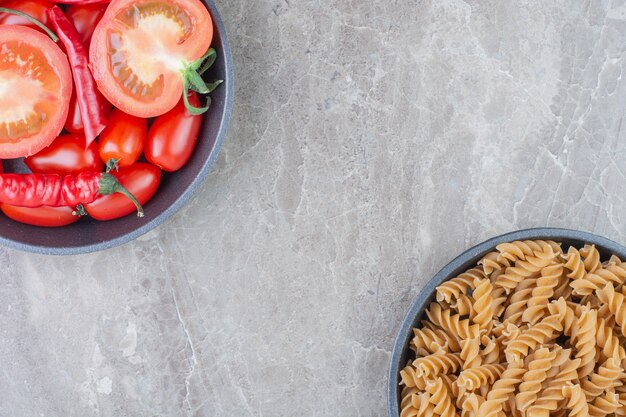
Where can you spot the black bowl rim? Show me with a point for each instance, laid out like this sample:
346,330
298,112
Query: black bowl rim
464,260
188,193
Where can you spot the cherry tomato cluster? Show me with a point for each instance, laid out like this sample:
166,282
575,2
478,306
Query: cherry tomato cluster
139,146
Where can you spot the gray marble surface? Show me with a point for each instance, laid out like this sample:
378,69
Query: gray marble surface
372,141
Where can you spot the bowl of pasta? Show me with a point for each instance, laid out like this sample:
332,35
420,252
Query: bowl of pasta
530,323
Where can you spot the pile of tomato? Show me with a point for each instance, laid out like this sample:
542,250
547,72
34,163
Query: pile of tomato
98,97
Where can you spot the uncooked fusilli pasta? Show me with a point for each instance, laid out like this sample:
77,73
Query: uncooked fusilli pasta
532,331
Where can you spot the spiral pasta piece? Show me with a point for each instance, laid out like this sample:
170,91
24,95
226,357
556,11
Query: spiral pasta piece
608,341
440,398
605,405
501,390
470,353
510,333
615,302
521,250
597,280
499,300
621,409
493,262
452,324
428,339
433,365
552,395
563,289
604,379
577,402
585,341
533,379
463,304
591,258
409,378
575,264
410,398
519,300
462,284
491,352
541,294
482,310
566,316
539,334
471,405
473,378
531,267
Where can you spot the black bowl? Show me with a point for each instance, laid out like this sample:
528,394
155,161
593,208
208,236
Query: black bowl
176,189
468,259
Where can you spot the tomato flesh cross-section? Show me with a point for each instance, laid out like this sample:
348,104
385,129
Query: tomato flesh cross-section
140,49
35,88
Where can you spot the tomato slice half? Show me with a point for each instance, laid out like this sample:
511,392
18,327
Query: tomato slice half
35,89
140,48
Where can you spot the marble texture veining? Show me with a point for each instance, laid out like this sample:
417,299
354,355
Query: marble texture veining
372,142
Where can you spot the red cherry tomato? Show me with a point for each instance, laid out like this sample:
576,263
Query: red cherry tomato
35,88
66,156
85,18
35,8
141,179
173,136
123,138
41,216
74,122
140,47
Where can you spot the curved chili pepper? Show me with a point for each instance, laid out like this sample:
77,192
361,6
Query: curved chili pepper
88,96
36,190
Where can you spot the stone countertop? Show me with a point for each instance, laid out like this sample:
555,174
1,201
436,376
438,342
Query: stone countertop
371,143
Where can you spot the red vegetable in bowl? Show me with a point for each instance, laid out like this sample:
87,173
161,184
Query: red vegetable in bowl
36,86
37,9
85,17
91,110
36,190
68,155
74,123
173,136
141,179
43,216
123,139
145,53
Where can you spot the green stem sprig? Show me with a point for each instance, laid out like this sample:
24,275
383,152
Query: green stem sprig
31,19
192,81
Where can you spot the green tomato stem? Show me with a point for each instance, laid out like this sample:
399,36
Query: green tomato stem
31,19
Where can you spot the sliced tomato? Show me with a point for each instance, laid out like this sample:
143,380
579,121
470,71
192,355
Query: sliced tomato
35,89
85,18
141,179
43,216
34,8
67,155
141,47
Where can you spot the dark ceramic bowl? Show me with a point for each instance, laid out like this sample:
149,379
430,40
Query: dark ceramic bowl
176,189
468,259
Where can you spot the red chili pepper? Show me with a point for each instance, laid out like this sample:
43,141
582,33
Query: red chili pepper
89,99
36,190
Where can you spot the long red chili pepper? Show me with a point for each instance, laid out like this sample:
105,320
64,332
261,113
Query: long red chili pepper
36,190
87,93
